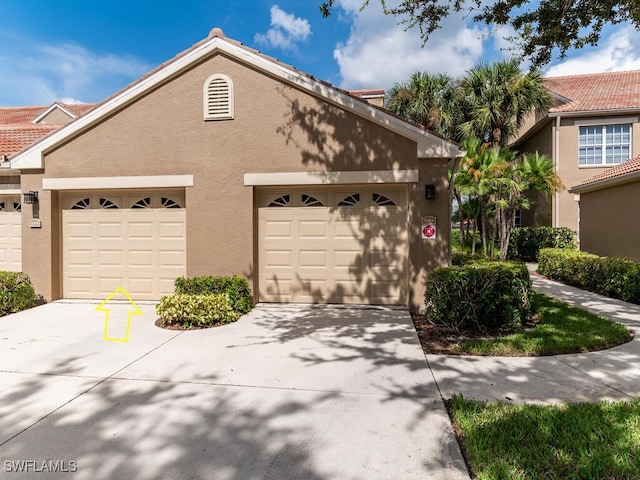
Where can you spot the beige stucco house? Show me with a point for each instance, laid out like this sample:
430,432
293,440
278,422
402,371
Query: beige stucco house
608,211
225,161
593,125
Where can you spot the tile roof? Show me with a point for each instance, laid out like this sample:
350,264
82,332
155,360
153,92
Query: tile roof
17,132
630,167
599,91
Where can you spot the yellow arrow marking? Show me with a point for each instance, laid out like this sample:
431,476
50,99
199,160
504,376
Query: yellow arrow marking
102,308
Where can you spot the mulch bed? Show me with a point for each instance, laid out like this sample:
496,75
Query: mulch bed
439,340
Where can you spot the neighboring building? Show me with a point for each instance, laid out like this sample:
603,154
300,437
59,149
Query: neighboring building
19,128
374,96
592,126
608,211
225,161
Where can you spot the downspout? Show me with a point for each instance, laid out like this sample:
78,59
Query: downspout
556,220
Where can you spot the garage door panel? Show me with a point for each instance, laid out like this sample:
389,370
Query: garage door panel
110,230
278,258
142,250
348,258
312,258
172,258
313,229
142,231
278,229
172,230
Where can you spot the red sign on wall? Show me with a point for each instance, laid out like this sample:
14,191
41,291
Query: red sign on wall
429,232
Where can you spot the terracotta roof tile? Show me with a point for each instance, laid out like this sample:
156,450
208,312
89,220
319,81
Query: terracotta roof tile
626,168
600,91
17,132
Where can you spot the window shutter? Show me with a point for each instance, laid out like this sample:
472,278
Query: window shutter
218,98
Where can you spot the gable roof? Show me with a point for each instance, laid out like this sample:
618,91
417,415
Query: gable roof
428,143
623,173
596,92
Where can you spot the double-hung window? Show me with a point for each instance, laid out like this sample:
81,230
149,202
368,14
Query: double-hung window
604,144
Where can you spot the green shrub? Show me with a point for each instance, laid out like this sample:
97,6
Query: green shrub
16,292
462,258
191,310
236,287
613,277
479,296
526,242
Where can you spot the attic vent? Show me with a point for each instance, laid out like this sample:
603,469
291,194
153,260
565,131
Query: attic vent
218,98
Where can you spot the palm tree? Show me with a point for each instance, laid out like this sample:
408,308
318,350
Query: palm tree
427,99
497,99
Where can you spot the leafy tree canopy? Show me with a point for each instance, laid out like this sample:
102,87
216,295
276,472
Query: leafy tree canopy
540,26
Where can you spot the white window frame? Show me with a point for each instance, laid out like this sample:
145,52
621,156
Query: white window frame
603,132
226,113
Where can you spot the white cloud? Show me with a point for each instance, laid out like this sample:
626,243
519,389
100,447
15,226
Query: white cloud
40,74
286,30
379,52
618,51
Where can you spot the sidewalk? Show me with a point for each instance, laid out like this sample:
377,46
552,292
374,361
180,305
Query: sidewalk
612,374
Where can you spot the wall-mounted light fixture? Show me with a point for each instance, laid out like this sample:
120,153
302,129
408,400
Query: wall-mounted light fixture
430,191
31,197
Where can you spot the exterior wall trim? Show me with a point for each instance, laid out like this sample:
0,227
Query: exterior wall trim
53,107
94,183
331,178
10,191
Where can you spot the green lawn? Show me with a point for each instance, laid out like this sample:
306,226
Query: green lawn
562,329
563,442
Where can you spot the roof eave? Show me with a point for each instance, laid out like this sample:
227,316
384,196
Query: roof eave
606,183
595,113
428,145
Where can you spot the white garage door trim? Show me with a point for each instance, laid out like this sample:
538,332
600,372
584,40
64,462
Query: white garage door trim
134,240
345,244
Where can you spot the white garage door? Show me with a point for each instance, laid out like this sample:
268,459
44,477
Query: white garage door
10,233
333,245
134,240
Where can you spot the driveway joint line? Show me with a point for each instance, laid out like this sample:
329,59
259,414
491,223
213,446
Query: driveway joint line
104,379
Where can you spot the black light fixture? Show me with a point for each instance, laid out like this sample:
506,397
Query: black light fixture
430,191
31,197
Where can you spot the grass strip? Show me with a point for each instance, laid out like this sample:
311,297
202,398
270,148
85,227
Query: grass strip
573,441
562,329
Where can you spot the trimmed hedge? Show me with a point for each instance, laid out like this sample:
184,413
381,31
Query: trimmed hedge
480,296
16,292
236,287
191,310
614,277
462,258
526,242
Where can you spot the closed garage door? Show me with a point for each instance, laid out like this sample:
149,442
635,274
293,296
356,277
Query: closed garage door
333,245
10,233
134,240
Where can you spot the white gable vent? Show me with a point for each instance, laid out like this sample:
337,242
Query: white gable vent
218,98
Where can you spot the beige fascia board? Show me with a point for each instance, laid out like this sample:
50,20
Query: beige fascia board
428,145
596,113
10,191
99,183
331,178
610,182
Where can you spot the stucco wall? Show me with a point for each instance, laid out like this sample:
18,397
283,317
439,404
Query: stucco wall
276,129
565,214
609,223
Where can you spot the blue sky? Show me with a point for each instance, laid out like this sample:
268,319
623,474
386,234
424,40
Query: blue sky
83,51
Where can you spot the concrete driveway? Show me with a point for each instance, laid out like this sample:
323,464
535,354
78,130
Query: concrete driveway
287,392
